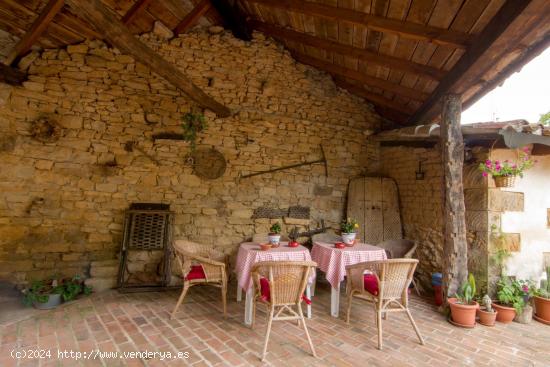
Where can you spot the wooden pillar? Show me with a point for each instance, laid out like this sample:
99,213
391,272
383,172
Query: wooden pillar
455,248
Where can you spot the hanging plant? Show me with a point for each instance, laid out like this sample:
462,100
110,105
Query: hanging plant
193,124
505,172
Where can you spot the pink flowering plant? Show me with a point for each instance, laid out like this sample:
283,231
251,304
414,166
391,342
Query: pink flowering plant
497,168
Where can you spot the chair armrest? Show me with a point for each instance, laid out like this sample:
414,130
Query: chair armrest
410,253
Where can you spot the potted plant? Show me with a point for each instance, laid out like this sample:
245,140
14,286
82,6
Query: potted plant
463,307
43,294
504,173
510,300
73,287
349,228
274,235
542,300
487,315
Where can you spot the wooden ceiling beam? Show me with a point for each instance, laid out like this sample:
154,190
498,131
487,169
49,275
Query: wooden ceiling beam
118,35
492,31
376,99
134,11
404,29
193,17
11,76
348,50
360,77
37,29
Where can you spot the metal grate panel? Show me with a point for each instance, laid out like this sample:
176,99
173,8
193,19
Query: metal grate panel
147,231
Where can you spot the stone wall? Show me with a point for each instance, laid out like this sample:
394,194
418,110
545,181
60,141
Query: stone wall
62,202
422,212
421,201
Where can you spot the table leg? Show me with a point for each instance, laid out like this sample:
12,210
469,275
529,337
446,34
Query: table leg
309,295
239,293
313,288
248,307
335,301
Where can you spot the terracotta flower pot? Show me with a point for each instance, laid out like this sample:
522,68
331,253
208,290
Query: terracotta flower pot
463,315
542,308
504,314
487,318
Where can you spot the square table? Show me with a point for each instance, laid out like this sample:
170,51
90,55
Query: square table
333,261
250,254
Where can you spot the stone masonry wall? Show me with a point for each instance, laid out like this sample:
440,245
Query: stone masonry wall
421,201
62,202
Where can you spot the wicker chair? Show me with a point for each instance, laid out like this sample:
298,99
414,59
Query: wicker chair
200,264
401,249
329,236
280,286
386,286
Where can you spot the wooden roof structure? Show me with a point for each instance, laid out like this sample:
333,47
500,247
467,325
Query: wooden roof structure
400,55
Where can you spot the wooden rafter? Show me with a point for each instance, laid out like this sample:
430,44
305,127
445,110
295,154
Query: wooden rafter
374,98
134,11
37,29
496,27
347,50
118,35
193,17
404,29
11,75
360,77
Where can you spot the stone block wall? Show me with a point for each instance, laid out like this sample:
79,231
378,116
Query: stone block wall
62,202
421,201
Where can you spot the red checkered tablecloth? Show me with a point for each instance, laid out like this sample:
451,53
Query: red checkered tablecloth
333,261
250,254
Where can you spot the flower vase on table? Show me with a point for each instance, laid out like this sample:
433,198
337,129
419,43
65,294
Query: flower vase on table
274,235
349,228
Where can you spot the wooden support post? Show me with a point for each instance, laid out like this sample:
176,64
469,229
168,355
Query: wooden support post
118,35
455,248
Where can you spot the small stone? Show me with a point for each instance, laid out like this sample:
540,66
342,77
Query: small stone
162,31
215,29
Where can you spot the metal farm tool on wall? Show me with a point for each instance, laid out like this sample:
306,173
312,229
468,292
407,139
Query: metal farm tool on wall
323,160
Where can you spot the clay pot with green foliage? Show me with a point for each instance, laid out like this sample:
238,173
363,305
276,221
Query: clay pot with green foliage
463,307
504,314
542,309
463,314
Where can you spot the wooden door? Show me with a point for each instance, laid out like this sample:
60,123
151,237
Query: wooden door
374,203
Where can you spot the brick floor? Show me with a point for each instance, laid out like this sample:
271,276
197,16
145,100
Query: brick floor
113,322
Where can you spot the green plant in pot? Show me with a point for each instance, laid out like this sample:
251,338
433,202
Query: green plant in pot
73,287
487,314
463,306
349,228
542,300
43,294
510,297
274,235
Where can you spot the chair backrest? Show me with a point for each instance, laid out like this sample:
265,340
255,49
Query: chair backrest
396,249
287,279
394,276
262,238
329,236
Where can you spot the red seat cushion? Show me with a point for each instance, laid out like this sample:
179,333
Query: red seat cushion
197,272
371,284
265,293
